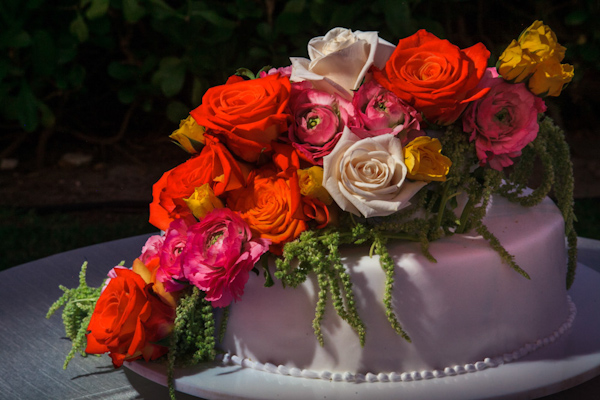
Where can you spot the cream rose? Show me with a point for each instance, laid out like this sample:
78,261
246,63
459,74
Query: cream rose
368,176
340,60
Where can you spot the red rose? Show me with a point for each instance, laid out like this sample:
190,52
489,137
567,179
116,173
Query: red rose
128,320
214,165
246,114
435,76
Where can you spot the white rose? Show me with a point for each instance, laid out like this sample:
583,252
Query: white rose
340,60
368,176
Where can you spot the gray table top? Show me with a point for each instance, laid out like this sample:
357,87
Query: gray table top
33,348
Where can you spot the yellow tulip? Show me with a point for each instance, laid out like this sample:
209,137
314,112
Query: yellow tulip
203,201
190,135
424,160
550,77
311,184
514,64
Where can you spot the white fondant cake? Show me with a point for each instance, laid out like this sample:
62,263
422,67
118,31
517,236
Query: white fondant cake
466,312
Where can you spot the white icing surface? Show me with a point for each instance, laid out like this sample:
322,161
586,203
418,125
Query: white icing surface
408,376
459,312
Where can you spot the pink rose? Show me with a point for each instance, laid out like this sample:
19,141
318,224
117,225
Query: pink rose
318,121
503,122
170,270
219,255
381,111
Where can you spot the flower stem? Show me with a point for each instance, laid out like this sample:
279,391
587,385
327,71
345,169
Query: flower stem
443,201
464,217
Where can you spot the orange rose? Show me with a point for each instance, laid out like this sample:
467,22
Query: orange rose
435,76
128,320
247,114
272,206
214,165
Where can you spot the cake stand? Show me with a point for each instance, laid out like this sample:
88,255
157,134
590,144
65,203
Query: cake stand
573,359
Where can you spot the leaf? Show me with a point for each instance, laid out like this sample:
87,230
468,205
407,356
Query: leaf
398,17
48,117
576,17
198,90
245,72
4,67
79,28
170,76
44,54
265,31
126,95
161,10
120,71
97,9
20,39
77,75
176,111
27,108
294,6
215,19
132,11
34,4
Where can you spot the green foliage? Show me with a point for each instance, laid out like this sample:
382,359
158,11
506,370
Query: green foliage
161,56
193,337
78,306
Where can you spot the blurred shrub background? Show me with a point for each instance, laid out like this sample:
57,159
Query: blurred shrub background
106,72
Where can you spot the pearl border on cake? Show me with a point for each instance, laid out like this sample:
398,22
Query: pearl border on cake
229,358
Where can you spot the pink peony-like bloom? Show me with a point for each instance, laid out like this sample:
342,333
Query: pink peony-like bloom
152,248
503,122
318,121
170,270
380,111
219,255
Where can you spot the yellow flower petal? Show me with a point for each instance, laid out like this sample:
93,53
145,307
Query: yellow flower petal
203,201
424,160
550,77
311,184
190,135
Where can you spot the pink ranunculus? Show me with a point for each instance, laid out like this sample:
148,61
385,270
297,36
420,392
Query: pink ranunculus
152,248
111,275
380,111
283,71
318,121
170,270
219,255
503,122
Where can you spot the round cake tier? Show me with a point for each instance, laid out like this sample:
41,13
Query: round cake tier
467,307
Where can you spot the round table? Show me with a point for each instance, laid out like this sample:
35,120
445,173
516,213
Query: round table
33,348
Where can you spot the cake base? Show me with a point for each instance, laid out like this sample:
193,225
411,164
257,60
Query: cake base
571,360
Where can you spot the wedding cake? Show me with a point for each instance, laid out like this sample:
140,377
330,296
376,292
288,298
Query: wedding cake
464,313
359,215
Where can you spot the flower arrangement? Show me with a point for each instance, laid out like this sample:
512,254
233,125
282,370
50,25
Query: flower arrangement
362,143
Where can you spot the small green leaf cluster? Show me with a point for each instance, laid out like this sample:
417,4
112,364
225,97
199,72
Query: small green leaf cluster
79,304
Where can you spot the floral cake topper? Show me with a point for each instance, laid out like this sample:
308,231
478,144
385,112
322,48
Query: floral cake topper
361,143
